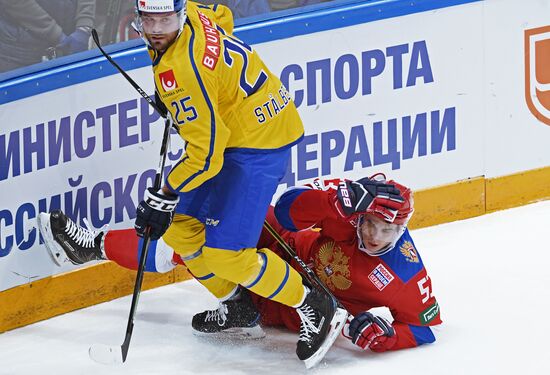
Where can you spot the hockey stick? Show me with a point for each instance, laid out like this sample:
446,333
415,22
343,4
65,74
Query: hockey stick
117,354
340,314
161,110
310,275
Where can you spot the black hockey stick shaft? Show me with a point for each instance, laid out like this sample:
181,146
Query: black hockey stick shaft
157,185
150,100
145,247
310,275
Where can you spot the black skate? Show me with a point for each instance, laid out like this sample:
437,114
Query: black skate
68,242
237,318
322,321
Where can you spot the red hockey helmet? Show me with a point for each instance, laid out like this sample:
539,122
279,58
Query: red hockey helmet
379,235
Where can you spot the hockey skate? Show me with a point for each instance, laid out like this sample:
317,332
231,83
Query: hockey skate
68,242
322,321
236,318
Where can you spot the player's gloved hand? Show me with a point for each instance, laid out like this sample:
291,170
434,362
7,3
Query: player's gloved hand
157,211
356,197
76,42
372,332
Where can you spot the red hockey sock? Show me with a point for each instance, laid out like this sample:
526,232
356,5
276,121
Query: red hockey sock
121,246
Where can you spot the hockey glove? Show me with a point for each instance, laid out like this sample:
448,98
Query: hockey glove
355,197
157,211
372,332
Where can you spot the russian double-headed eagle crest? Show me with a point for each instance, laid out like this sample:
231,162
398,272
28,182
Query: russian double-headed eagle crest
332,266
408,250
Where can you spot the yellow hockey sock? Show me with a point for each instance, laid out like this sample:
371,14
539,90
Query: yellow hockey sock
262,271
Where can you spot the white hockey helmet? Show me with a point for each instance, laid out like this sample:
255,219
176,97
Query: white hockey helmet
159,17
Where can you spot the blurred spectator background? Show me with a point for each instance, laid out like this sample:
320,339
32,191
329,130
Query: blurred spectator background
32,31
287,4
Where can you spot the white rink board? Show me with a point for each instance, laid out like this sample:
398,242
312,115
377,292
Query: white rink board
477,72
455,55
516,140
100,170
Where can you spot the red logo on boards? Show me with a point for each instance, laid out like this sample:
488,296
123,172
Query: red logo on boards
537,72
142,4
168,80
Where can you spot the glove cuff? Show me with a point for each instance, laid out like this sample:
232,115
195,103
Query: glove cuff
344,195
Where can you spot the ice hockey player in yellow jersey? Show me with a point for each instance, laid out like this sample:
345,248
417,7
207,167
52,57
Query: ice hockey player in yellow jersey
239,123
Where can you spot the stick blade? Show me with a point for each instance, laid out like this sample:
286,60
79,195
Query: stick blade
105,354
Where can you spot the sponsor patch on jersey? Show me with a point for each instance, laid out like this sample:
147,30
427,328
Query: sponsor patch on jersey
408,250
156,6
168,80
212,46
381,277
429,314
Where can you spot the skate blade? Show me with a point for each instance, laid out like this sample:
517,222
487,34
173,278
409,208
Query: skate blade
55,251
238,333
336,324
105,354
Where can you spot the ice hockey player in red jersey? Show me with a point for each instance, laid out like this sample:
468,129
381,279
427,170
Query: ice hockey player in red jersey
365,255
367,260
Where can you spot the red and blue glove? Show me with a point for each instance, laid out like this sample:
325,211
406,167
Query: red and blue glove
356,197
372,332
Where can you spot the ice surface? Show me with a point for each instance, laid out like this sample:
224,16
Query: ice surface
490,275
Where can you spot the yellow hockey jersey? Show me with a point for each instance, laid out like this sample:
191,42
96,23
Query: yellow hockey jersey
221,96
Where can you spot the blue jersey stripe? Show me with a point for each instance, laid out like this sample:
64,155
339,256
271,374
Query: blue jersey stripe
422,335
212,115
173,168
282,208
210,275
244,150
404,260
264,266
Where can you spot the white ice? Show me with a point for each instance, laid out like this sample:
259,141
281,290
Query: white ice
490,275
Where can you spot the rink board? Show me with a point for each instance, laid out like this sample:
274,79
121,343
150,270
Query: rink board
459,114
58,294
